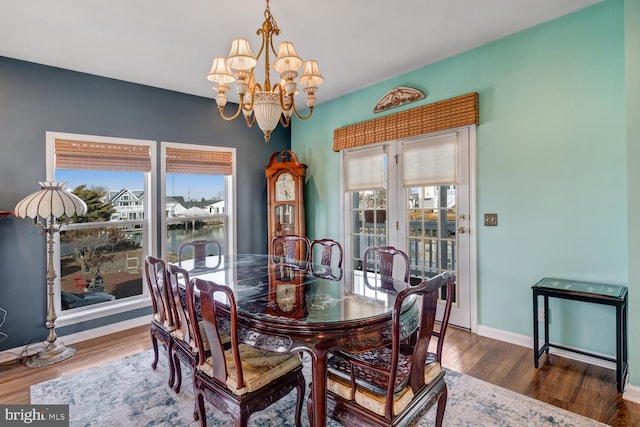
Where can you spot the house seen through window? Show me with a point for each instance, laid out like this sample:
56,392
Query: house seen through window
100,254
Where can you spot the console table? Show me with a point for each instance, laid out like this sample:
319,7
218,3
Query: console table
597,293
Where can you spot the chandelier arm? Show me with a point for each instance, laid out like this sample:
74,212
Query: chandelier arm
237,113
298,115
281,95
284,120
260,32
249,107
250,121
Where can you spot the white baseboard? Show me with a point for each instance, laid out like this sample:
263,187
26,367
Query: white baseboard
631,393
526,341
28,350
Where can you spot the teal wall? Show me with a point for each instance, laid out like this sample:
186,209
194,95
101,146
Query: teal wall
632,63
551,161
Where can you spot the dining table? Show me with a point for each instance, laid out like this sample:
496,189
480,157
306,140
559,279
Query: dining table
287,305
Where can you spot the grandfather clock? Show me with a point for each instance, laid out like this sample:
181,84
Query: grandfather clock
285,195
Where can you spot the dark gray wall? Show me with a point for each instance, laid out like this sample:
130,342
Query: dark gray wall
35,99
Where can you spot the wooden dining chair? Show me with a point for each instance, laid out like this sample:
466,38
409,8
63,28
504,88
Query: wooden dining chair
331,253
162,322
184,348
201,249
393,385
241,379
379,260
290,246
187,317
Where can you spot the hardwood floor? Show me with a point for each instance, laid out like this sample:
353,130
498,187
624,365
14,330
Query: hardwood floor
578,387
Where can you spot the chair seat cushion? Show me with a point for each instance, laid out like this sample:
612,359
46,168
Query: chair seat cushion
375,402
259,367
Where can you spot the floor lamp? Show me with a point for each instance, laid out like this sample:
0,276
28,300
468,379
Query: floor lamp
51,202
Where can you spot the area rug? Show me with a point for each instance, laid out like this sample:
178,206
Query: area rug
128,392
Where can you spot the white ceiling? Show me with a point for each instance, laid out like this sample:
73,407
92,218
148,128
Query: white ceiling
170,43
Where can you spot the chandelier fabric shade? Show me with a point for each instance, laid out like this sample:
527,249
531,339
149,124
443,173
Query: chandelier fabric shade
311,74
287,59
220,73
240,56
263,103
51,201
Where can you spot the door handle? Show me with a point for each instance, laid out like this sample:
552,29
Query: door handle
462,230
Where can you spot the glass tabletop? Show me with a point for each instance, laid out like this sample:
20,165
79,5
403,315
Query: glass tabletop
607,290
284,290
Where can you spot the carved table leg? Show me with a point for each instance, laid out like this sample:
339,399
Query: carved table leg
318,387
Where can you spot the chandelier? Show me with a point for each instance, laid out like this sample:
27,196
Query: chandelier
266,104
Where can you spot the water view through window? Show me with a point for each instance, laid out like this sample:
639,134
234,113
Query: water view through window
102,253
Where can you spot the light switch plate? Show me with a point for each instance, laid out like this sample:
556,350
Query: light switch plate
491,219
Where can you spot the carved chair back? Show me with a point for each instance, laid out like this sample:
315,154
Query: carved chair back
162,322
290,246
155,273
380,260
201,249
178,303
328,248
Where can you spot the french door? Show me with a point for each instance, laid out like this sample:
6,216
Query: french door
417,195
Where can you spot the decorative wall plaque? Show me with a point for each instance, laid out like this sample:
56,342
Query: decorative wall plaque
400,95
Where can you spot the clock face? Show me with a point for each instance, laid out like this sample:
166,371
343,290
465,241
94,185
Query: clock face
285,188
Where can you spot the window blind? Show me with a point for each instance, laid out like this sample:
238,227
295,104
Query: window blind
102,156
200,162
430,161
365,169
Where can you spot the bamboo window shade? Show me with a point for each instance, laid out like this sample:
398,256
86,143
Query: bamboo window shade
200,162
102,156
447,114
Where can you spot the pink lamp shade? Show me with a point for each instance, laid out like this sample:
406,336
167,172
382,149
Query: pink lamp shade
52,200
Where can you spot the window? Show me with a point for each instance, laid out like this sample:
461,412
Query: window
99,256
429,175
365,182
197,189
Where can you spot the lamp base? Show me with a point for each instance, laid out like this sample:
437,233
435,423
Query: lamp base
52,353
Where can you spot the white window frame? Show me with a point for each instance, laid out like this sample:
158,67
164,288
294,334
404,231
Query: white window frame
229,193
390,181
395,201
83,314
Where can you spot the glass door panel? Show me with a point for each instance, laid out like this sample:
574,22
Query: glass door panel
369,222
